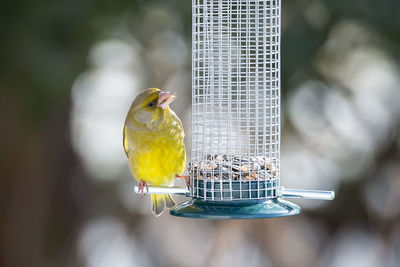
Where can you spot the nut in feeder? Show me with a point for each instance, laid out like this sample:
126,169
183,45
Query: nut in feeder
235,160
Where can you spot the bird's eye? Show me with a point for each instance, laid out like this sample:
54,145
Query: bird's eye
150,104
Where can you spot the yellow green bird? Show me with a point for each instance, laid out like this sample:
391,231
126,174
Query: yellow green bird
153,141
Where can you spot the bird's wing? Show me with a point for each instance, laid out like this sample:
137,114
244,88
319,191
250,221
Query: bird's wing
178,120
125,142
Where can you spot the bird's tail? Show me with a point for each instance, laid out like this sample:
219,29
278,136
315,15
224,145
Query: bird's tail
160,202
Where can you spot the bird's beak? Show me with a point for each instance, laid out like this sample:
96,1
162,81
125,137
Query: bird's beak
165,98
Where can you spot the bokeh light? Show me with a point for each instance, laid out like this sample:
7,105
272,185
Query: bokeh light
100,100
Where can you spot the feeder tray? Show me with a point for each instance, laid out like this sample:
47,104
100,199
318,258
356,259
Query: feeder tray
249,209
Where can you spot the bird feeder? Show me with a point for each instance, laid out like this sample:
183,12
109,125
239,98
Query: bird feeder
236,114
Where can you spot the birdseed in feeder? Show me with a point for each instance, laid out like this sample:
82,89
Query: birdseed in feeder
236,168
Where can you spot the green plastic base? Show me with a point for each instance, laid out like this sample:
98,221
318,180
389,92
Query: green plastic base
248,209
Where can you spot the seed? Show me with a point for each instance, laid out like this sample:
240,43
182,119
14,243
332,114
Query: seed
205,168
268,165
213,166
236,167
264,175
273,168
245,168
225,176
256,166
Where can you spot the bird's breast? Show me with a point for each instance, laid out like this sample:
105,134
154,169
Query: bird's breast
156,157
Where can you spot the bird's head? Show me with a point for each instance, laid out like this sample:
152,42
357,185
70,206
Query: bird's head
149,106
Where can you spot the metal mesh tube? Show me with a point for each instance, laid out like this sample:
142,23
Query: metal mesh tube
236,99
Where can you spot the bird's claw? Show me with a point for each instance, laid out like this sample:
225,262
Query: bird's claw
141,186
187,179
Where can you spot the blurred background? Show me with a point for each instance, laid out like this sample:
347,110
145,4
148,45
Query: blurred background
68,73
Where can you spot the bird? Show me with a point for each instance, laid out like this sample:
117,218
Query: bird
153,140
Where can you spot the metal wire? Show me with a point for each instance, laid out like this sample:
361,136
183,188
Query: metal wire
236,99
281,191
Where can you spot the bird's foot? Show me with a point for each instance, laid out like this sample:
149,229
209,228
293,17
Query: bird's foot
141,185
187,179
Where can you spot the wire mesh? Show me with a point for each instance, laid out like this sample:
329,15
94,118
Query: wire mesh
235,99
